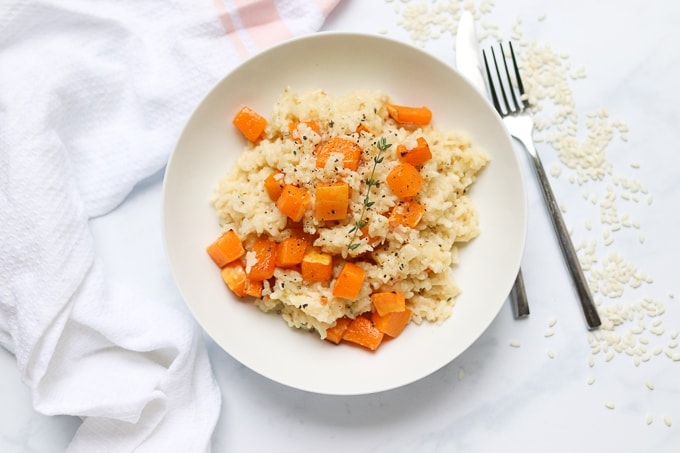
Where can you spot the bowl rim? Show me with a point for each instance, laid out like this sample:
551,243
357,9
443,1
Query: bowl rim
171,164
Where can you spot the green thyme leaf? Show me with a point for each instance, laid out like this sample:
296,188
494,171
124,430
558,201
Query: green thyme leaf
382,146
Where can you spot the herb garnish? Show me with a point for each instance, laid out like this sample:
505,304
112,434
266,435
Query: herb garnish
370,182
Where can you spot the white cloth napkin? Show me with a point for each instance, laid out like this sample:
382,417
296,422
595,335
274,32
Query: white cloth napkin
93,96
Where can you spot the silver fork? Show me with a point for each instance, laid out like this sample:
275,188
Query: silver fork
506,86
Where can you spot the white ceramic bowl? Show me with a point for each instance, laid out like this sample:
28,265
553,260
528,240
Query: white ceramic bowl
338,63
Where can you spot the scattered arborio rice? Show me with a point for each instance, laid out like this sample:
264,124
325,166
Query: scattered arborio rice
413,261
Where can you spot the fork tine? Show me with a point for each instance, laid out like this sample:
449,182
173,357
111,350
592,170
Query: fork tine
520,85
507,86
492,88
515,104
507,109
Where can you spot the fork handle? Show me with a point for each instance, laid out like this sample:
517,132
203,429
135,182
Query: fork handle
570,256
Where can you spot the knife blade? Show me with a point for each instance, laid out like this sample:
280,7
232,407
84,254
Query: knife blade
468,59
469,64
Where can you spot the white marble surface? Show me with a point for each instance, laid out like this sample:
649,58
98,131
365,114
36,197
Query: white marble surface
494,397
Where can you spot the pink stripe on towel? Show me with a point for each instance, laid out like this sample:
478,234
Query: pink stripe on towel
229,29
326,6
262,22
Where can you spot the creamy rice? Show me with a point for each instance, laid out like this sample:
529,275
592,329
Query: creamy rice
413,261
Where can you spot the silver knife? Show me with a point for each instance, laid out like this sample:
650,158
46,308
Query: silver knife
468,59
469,63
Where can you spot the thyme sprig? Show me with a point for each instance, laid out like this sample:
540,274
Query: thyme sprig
382,146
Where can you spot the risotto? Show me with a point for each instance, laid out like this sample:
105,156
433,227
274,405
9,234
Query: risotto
339,210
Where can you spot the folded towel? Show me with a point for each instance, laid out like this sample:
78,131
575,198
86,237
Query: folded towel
93,96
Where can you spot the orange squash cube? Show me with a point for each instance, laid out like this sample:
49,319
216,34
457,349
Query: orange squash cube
316,266
404,114
332,201
388,302
290,251
264,253
405,180
253,288
350,151
393,323
226,248
361,331
334,333
416,156
349,282
234,275
273,184
407,213
250,123
293,202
